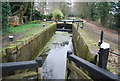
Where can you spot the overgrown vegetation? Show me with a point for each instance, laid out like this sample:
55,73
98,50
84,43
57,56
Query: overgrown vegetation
19,29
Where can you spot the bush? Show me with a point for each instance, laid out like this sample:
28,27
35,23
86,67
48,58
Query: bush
35,22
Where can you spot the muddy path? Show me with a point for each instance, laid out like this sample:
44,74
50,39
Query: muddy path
110,36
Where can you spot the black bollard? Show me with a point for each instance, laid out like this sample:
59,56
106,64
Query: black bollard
43,25
103,55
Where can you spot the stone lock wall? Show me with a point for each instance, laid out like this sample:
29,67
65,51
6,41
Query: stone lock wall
28,48
82,49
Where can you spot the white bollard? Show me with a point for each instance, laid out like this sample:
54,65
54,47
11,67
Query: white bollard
103,55
44,19
11,38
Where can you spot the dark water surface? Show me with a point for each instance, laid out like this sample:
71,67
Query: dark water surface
54,66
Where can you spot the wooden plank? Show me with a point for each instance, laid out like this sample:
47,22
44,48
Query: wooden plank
80,73
22,75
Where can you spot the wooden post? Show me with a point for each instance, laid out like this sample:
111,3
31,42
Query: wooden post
39,70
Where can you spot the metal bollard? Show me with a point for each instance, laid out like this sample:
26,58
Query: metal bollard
43,25
103,55
44,20
10,38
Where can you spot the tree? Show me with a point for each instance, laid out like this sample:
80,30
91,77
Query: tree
101,12
57,15
6,11
15,7
22,9
117,15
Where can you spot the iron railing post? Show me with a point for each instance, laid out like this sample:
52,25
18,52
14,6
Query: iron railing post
101,39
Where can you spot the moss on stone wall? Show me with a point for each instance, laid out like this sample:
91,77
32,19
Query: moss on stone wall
28,48
83,45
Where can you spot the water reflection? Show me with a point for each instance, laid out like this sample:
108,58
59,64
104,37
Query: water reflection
54,66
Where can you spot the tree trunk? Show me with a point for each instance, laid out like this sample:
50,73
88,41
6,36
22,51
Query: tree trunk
31,11
22,11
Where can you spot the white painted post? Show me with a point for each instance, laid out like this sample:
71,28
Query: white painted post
103,55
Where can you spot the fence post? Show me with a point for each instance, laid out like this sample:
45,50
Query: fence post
39,61
73,21
69,53
69,71
103,55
